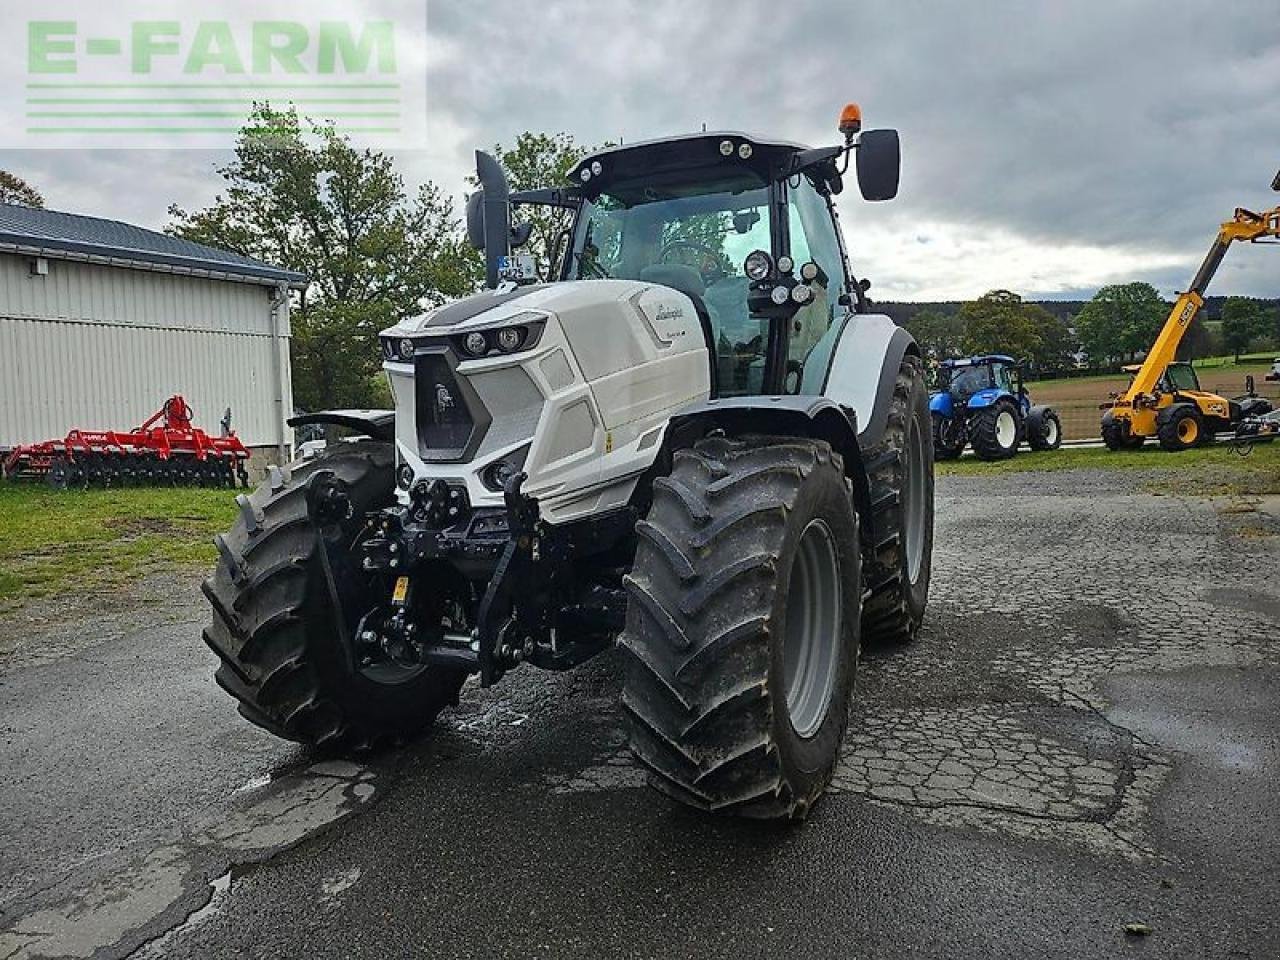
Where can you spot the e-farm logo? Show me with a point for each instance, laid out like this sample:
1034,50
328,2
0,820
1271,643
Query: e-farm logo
191,81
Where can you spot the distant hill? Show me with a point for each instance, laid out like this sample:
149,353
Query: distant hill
901,310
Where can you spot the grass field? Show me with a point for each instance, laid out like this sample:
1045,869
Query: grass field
89,544
1076,399
1203,471
94,541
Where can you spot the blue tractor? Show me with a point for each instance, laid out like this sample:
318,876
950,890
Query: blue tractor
981,401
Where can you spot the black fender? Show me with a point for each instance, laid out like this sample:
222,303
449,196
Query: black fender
378,424
1165,413
816,417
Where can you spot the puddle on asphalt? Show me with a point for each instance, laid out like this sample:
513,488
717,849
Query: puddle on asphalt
264,818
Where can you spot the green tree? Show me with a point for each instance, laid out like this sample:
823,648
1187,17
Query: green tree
940,335
999,322
534,161
1120,321
1242,320
16,191
1058,345
307,200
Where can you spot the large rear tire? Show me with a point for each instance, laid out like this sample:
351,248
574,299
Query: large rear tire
743,626
898,548
273,623
994,431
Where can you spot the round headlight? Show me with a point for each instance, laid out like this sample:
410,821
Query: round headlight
758,265
779,295
510,338
406,349
786,264
744,151
726,148
596,168
585,175
476,344
404,475
497,476
809,271
801,293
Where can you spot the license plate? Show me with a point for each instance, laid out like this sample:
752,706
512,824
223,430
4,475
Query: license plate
401,591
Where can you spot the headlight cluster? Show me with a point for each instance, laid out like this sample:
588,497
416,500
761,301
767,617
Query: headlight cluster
521,332
401,349
760,268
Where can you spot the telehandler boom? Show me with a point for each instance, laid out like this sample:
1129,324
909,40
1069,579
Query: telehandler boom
1165,400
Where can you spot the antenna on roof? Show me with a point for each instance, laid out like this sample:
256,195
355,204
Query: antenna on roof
704,126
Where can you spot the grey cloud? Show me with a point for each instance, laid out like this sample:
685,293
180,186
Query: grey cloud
1135,126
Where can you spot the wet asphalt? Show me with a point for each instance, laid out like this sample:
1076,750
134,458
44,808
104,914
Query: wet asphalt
1086,736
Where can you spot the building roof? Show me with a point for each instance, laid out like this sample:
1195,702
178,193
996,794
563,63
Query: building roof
75,237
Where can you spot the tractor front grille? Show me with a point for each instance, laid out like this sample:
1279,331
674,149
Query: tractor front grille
450,417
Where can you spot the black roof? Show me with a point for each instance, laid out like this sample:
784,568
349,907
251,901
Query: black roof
71,233
706,156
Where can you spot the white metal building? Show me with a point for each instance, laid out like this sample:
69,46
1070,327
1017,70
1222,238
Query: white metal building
100,321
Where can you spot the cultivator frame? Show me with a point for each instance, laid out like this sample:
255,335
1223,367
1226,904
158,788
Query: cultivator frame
166,450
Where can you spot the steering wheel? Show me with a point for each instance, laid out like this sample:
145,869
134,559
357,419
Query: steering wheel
708,257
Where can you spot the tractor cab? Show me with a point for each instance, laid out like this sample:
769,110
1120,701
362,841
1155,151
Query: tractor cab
1179,377
980,381
745,227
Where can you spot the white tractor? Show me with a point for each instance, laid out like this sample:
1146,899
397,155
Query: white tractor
691,439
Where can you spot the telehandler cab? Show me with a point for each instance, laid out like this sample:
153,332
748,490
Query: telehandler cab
1164,399
690,437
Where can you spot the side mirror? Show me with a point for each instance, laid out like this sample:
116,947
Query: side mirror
520,234
879,161
475,220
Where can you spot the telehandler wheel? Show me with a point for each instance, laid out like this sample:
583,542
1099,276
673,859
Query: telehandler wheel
1181,428
273,621
898,549
743,624
994,431
945,445
1044,429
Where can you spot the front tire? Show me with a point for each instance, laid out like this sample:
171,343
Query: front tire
1044,429
1181,428
743,626
994,431
946,444
273,623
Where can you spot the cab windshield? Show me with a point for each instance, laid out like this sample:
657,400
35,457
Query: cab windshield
1182,376
695,240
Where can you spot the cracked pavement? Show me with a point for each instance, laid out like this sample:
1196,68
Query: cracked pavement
1086,735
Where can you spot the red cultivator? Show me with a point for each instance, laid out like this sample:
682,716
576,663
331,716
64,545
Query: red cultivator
165,451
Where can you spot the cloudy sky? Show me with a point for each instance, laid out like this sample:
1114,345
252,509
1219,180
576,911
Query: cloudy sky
1047,147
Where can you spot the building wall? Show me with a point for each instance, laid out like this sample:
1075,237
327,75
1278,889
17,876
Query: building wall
96,346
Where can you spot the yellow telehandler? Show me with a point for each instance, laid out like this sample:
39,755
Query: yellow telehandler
1164,399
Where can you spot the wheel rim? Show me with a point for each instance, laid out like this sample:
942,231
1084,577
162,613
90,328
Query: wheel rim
1051,431
1006,429
812,642
913,521
1187,430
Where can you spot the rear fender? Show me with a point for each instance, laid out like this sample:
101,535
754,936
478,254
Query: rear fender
816,417
864,369
985,398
